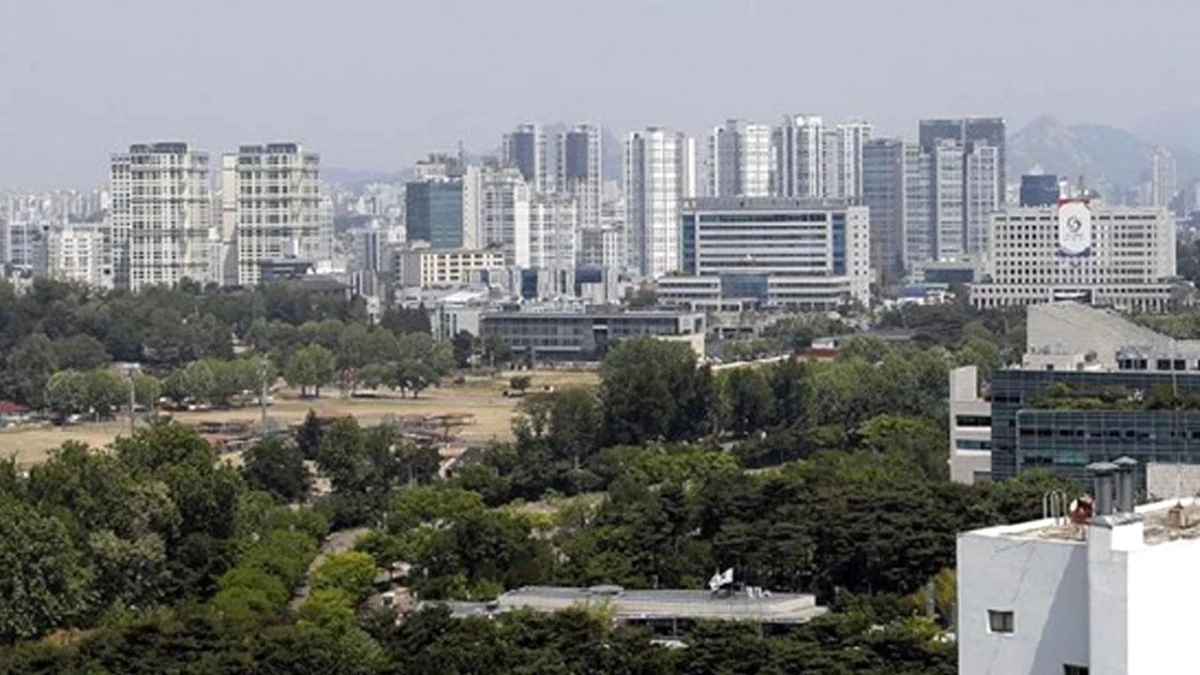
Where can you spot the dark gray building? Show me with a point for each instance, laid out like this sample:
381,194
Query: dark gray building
883,194
586,336
967,131
1039,190
433,212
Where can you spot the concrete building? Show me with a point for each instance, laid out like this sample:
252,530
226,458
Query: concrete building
842,159
799,149
75,253
506,215
1085,251
585,336
774,252
526,149
739,160
968,133
581,171
279,209
553,232
433,211
1039,189
668,609
160,215
1092,589
659,172
23,246
884,193
970,429
1162,178
951,191
431,268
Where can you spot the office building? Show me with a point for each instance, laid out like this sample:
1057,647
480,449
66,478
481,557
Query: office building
842,159
160,215
1040,189
505,215
23,246
526,149
1162,178
1098,587
75,253
1081,250
432,268
884,194
580,171
773,252
968,132
585,336
280,214
951,191
433,211
553,232
739,160
659,172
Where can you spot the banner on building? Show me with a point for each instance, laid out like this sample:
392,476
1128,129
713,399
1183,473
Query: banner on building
1074,229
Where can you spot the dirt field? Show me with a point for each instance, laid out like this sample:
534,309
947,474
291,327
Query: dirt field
483,397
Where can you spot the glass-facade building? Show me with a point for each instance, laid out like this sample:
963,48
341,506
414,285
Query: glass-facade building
434,212
1028,434
1039,190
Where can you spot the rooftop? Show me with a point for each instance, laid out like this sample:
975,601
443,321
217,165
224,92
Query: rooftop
1161,523
648,605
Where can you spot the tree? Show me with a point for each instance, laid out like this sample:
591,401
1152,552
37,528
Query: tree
67,393
30,365
520,383
81,352
352,572
652,389
106,391
278,468
750,399
496,349
45,580
464,348
919,438
308,436
311,366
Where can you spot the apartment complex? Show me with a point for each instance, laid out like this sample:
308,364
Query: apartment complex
739,160
580,171
160,216
274,190
1080,250
659,172
75,253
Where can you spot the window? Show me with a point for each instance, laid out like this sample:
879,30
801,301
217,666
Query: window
1069,669
1000,621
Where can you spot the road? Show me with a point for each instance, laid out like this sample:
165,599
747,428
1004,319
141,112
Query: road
337,542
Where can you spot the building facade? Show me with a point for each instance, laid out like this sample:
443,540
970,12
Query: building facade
776,251
431,268
968,132
279,208
75,253
433,211
553,232
1039,190
586,336
739,160
659,172
527,149
799,151
951,191
506,215
160,215
1120,256
581,170
884,194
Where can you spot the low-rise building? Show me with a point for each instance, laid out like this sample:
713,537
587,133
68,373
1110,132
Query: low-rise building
586,336
428,267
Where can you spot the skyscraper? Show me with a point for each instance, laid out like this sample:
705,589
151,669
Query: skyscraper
1162,178
433,211
526,149
279,210
799,150
659,171
842,159
967,132
580,170
161,212
506,199
553,232
739,160
883,192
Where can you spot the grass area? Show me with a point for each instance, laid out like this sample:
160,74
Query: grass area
480,396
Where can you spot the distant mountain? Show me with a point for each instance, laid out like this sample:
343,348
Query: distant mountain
1105,156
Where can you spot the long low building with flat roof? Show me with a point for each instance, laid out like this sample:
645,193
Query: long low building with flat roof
585,336
652,606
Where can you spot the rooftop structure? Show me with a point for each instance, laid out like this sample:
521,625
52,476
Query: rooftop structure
628,606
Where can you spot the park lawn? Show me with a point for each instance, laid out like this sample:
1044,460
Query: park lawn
482,397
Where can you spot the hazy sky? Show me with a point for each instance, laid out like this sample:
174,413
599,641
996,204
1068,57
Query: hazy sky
372,84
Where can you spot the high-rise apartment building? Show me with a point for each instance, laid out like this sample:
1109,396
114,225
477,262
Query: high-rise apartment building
553,232
842,158
659,172
1162,178
160,216
799,157
884,193
739,160
967,132
433,211
279,209
526,148
75,253
580,170
951,192
505,215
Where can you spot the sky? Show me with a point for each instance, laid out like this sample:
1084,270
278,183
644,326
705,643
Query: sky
373,84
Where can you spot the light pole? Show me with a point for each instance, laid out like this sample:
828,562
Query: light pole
130,374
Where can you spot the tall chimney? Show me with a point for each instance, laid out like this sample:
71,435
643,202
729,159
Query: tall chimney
1125,468
1102,473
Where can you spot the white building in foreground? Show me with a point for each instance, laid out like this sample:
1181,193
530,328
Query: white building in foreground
1114,594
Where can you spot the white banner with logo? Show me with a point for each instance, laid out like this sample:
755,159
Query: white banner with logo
1074,230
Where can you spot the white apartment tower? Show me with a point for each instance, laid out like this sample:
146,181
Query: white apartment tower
739,160
75,253
799,157
278,207
505,215
659,172
161,211
580,170
1162,178
553,232
526,149
842,159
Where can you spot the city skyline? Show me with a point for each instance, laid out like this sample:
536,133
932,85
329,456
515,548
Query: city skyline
353,94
